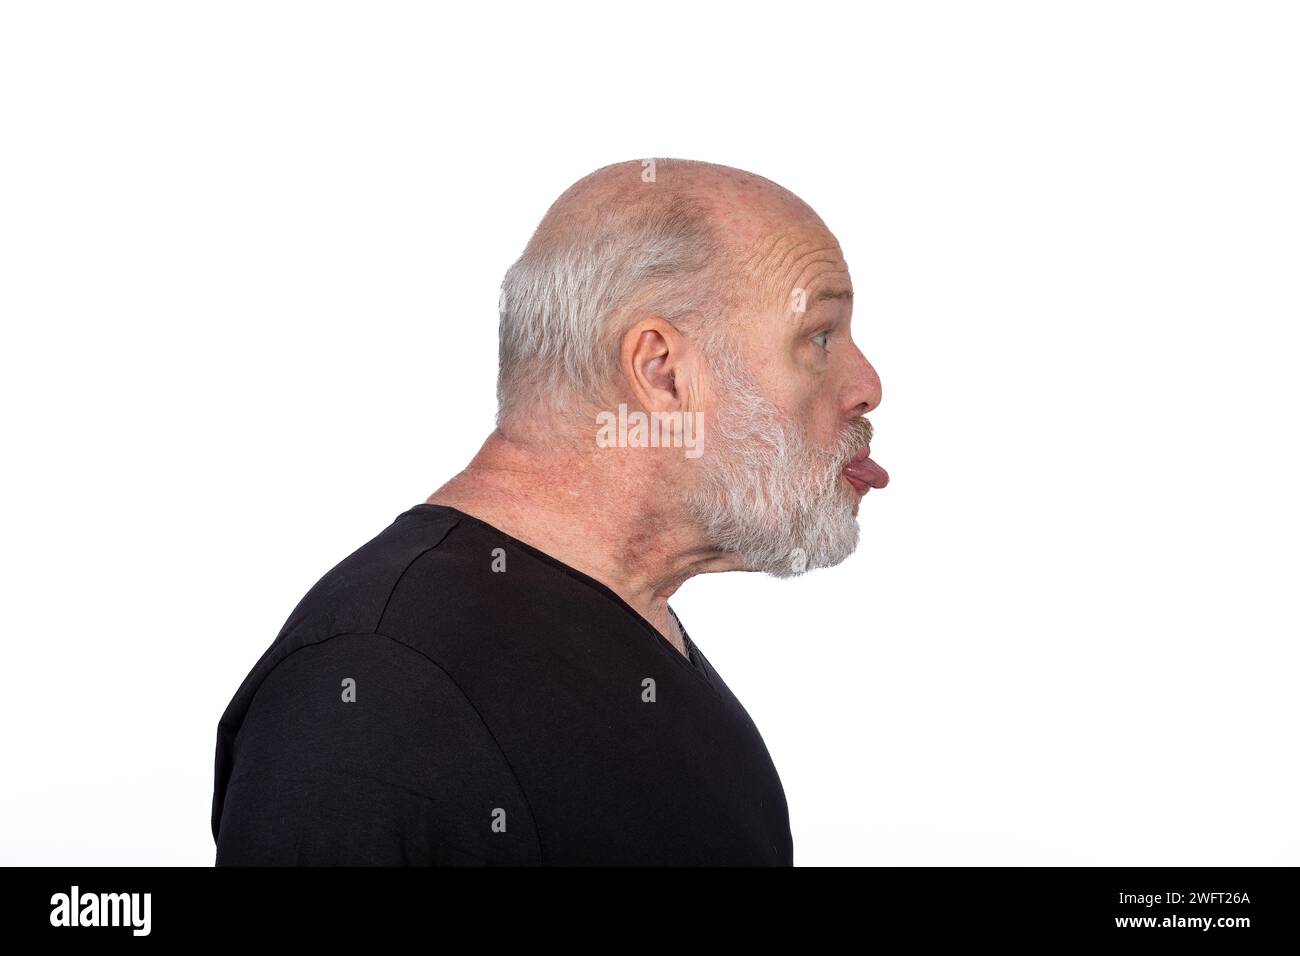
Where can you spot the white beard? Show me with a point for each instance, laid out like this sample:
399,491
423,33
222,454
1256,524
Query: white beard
763,492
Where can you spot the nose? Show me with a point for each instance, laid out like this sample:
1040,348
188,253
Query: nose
862,393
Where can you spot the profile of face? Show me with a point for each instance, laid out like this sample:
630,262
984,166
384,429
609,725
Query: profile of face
785,462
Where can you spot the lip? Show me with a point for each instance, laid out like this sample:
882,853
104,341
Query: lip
863,473
861,487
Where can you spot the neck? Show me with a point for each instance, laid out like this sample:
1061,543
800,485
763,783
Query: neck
602,511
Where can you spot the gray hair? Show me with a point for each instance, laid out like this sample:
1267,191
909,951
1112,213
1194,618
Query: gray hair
582,282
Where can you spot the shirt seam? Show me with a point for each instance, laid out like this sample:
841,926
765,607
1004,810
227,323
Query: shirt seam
379,621
523,793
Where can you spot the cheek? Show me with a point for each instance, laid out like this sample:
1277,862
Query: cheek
818,416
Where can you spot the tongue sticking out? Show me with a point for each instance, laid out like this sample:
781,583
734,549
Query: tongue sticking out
866,473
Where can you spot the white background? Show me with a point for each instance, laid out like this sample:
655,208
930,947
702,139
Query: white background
250,256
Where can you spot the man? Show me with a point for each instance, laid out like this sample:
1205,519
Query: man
497,677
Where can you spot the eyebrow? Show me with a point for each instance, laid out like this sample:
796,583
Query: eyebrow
822,294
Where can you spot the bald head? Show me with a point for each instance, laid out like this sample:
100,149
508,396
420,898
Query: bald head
720,189
692,243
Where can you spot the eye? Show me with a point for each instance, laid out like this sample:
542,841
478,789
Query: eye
823,335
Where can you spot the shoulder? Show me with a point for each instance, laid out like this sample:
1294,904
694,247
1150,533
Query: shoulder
358,748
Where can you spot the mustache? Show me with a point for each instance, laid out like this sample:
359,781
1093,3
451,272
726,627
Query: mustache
856,438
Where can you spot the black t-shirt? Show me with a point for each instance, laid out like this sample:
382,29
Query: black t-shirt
448,694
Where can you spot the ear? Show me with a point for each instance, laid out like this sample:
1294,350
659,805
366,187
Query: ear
658,365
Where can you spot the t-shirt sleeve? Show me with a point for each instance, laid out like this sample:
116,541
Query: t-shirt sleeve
359,750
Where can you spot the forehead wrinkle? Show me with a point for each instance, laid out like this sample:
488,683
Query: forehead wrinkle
788,256
801,267
804,273
761,252
770,263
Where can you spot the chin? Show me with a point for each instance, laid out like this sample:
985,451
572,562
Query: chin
783,533
828,544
